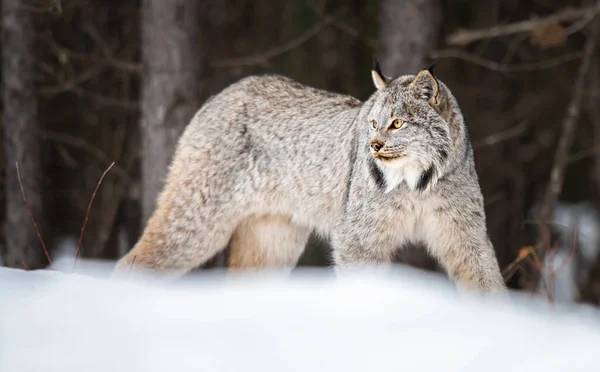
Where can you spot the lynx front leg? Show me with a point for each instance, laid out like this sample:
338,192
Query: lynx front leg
461,244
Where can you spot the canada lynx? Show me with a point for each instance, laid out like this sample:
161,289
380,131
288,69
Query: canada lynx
268,160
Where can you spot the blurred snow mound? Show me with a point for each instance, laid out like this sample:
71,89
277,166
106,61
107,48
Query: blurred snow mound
405,320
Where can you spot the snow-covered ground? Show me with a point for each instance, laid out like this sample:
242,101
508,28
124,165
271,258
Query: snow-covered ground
403,321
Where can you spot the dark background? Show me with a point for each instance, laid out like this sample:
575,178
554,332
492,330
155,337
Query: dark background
86,83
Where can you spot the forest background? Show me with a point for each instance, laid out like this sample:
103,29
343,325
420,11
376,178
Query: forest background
88,83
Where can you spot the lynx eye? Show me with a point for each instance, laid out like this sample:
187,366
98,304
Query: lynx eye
397,124
374,124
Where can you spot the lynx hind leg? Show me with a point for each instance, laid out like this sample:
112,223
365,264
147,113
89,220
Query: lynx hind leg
174,253
181,235
267,242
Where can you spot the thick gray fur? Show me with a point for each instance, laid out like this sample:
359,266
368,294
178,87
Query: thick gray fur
268,160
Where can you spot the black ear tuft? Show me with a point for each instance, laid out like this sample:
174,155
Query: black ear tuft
377,67
379,79
431,66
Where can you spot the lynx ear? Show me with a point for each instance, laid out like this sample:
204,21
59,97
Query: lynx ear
379,79
426,86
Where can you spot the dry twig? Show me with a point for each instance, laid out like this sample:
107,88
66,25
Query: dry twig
529,252
132,263
37,230
110,208
87,213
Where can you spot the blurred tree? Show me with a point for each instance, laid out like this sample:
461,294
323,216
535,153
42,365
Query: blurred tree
408,31
512,88
21,142
173,55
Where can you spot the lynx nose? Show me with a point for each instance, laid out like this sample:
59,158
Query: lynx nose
376,146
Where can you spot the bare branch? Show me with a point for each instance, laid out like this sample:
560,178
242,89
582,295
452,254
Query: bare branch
63,53
594,113
264,57
585,153
464,37
581,24
500,67
561,158
549,222
569,126
107,101
496,138
91,30
347,29
54,6
69,85
83,145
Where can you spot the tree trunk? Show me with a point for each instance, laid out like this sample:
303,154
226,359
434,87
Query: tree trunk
408,31
20,139
173,59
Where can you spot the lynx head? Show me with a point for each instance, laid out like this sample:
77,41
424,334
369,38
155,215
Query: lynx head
414,124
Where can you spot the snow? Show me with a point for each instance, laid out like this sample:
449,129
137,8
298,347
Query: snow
583,217
403,320
66,246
